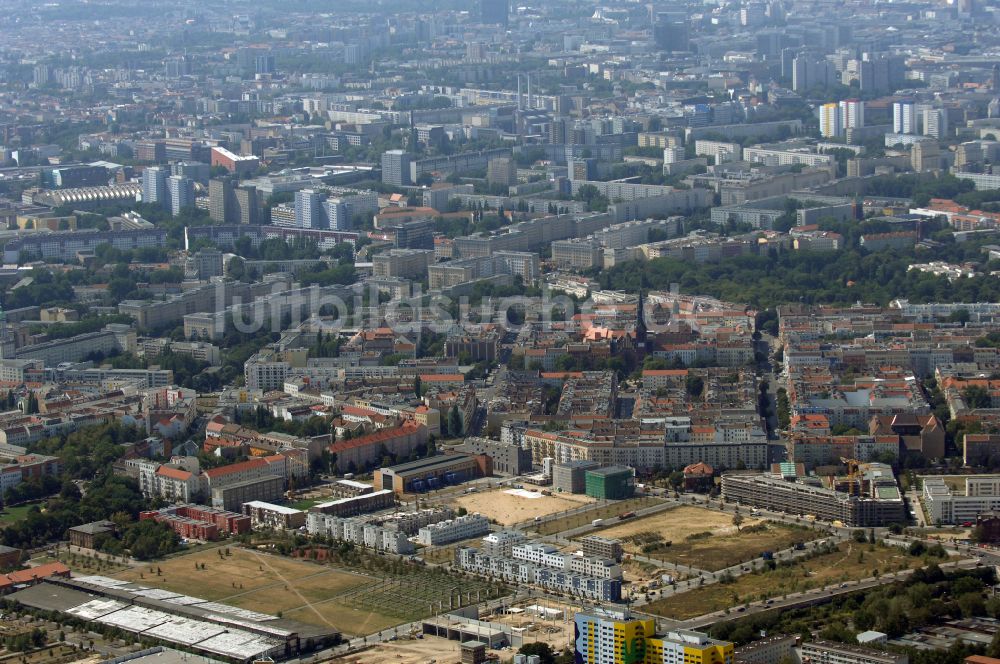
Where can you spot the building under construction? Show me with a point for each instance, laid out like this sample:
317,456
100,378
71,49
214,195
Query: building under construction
867,497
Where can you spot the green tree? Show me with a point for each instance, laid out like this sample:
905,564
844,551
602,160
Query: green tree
455,427
544,651
976,396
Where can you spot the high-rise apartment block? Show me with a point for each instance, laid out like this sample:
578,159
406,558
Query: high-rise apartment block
154,185
396,168
904,117
180,192
852,113
231,204
830,125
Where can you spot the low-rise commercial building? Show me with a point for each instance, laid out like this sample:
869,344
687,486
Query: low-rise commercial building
432,473
942,504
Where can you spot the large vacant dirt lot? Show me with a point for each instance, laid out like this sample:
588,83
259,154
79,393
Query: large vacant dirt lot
509,508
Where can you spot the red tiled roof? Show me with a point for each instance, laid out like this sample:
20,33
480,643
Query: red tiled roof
33,574
173,473
235,467
375,438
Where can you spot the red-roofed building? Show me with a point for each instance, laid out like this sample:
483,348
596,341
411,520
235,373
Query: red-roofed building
698,477
176,484
32,576
251,469
369,449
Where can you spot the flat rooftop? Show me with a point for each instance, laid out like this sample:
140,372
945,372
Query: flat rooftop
430,463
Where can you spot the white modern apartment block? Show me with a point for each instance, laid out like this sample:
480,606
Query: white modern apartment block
904,117
524,572
453,530
770,156
548,556
502,543
721,151
177,482
356,531
943,504
935,123
852,113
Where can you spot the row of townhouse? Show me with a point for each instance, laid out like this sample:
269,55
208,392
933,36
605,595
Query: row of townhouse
369,535
453,530
549,556
523,572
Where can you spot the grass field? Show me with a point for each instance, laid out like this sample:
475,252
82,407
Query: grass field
11,515
851,561
46,654
312,593
84,564
261,582
240,572
603,511
306,503
508,509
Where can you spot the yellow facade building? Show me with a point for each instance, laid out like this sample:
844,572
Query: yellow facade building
613,637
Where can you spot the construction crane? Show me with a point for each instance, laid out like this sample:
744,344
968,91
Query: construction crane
853,474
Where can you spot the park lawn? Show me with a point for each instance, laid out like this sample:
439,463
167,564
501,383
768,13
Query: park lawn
306,503
224,576
850,562
11,515
83,564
